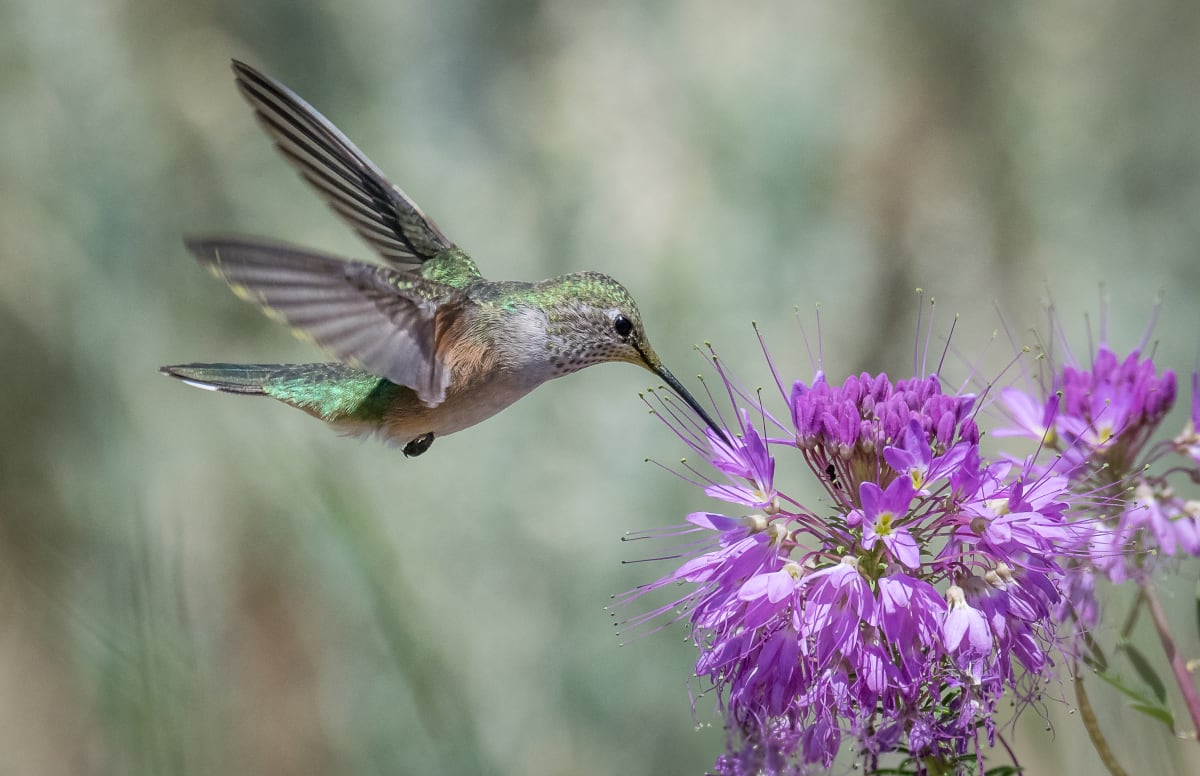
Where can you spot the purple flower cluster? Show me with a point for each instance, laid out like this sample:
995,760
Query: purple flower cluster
1101,418
1100,421
897,611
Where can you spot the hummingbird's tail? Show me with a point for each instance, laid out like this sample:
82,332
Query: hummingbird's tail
333,392
227,378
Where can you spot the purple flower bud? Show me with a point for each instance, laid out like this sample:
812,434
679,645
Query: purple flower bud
881,388
852,389
945,427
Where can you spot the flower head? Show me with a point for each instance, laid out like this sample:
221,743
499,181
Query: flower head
1099,420
895,612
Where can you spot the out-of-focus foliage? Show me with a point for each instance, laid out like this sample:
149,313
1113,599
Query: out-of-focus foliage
196,584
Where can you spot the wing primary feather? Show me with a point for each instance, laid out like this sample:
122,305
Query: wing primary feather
374,318
325,156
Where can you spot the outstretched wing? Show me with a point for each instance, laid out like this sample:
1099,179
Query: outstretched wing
350,183
374,318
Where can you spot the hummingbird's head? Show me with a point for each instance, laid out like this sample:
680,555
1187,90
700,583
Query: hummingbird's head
593,319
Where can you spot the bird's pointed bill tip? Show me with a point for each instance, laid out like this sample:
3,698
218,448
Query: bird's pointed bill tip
683,393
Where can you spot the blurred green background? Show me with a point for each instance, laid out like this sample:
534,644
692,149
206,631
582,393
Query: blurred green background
195,584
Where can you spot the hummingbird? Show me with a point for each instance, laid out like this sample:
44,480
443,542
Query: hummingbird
424,345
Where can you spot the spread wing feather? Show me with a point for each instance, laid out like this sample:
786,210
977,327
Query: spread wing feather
350,183
373,318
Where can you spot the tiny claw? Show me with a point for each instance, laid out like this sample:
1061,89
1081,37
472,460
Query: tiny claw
419,445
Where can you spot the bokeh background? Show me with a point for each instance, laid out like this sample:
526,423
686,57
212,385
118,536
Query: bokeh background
196,584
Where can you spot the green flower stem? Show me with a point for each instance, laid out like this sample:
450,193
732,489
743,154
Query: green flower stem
1092,726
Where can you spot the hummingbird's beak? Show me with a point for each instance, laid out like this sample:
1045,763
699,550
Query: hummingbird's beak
682,393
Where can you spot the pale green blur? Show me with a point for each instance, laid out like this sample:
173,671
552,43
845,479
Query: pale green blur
193,583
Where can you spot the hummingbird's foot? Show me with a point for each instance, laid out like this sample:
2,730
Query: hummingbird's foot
418,445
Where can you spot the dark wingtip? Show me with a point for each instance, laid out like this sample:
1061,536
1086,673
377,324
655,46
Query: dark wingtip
196,243
203,249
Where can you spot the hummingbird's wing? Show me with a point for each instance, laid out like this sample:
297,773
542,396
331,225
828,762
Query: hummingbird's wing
350,183
374,318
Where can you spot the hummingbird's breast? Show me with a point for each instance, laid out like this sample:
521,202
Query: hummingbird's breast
473,399
493,360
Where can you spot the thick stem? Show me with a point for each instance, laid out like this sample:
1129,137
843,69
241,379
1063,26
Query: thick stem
1183,677
1092,726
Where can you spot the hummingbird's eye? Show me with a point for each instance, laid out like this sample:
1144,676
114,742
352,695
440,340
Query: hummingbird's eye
622,326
